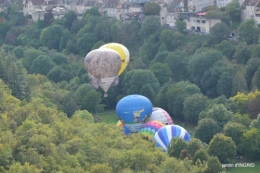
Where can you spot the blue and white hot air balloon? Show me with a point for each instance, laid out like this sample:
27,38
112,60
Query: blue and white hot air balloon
164,135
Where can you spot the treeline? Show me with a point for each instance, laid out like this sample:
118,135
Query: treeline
199,79
35,137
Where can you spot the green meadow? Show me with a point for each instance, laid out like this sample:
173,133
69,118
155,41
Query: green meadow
110,117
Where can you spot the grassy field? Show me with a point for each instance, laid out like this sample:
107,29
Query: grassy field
241,169
110,117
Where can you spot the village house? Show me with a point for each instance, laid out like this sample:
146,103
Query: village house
4,4
37,8
200,23
251,10
126,11
169,13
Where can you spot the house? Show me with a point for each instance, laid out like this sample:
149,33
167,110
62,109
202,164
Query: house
169,13
250,9
198,5
200,23
80,6
37,8
109,8
129,11
4,4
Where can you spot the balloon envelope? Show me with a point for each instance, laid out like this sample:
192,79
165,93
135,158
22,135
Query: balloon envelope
150,128
126,130
164,135
103,66
122,51
161,115
133,110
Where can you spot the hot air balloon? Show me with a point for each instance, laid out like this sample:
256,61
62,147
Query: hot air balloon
126,130
103,66
122,51
164,135
133,111
150,128
161,115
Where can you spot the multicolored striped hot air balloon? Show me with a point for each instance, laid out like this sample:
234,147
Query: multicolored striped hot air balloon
164,135
161,115
150,128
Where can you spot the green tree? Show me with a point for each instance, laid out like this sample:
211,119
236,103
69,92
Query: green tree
69,17
181,26
219,30
29,56
206,129
250,144
241,119
255,123
211,77
148,50
218,113
151,8
177,64
223,147
161,71
26,168
200,62
92,12
149,26
227,48
42,65
136,81
251,67
235,131
176,146
92,102
101,168
84,115
194,145
160,57
239,84
202,155
85,43
69,105
256,80
127,33
192,107
59,58
233,10
51,35
65,37
242,53
166,37
213,165
161,98
176,95
248,31
224,84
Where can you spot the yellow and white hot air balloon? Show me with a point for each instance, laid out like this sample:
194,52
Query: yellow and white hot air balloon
122,51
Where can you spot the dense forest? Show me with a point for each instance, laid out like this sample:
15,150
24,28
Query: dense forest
47,102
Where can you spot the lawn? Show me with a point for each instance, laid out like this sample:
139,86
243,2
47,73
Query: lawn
241,169
110,117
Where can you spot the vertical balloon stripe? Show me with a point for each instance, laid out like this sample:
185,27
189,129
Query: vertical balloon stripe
163,137
159,142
